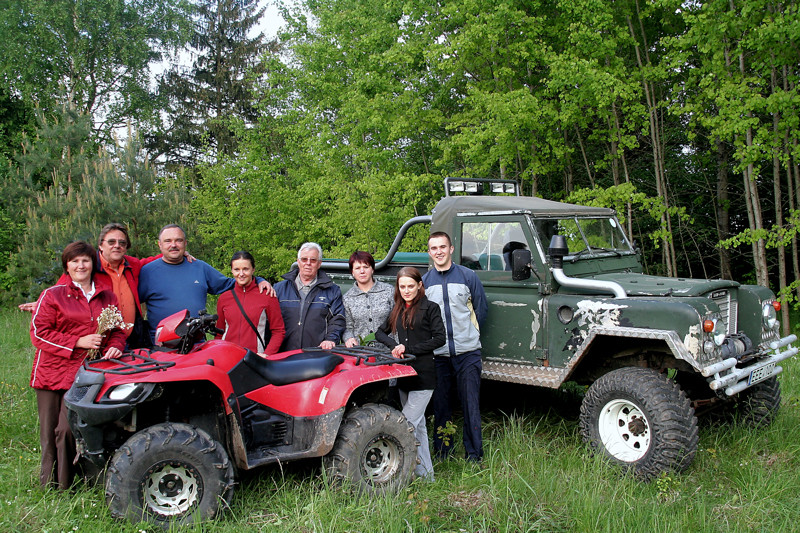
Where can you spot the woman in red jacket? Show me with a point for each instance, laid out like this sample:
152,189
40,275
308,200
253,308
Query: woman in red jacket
63,330
250,318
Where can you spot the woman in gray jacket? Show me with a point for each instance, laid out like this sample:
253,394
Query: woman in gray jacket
367,303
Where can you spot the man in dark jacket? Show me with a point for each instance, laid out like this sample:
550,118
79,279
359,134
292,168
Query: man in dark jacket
311,304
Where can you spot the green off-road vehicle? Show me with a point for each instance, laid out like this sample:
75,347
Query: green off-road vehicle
568,302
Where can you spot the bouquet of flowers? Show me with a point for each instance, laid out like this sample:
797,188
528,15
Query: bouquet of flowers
110,318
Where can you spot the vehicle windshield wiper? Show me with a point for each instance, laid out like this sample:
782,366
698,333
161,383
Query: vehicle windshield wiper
609,250
577,255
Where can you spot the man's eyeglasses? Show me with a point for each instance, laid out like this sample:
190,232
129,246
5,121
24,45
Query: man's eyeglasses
113,242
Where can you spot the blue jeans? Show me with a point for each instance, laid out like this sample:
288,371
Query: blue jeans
465,369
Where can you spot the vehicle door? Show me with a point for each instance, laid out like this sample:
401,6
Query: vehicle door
514,328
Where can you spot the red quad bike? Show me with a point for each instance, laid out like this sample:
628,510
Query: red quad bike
171,426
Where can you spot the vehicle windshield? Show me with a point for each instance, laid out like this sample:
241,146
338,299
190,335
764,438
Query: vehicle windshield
585,236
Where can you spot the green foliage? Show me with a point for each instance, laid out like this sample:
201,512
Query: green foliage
618,197
207,105
774,237
79,202
16,119
92,56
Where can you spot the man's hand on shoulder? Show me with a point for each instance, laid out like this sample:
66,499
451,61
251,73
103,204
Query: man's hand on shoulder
265,286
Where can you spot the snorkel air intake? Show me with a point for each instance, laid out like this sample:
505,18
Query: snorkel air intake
558,249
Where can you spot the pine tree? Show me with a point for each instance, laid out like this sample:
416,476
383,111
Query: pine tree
208,102
123,189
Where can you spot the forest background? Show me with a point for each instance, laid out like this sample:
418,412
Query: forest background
682,115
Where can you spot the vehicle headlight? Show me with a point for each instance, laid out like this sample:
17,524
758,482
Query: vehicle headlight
769,316
720,332
122,392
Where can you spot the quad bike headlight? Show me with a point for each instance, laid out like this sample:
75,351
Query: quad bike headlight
122,391
125,392
769,316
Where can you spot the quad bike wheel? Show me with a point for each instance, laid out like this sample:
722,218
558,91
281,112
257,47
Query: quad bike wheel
375,451
640,420
169,473
757,406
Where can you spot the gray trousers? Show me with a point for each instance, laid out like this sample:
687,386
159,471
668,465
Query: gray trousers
414,404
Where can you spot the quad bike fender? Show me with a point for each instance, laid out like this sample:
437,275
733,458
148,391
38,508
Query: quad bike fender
324,395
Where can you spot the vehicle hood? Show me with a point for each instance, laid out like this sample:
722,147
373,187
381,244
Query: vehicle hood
644,285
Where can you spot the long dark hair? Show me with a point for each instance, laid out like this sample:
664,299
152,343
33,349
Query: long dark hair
400,307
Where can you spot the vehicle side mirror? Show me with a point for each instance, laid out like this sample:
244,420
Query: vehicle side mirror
520,265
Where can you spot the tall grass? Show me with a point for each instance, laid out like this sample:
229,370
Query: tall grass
536,476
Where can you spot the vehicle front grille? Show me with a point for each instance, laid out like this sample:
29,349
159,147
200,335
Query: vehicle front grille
76,394
728,308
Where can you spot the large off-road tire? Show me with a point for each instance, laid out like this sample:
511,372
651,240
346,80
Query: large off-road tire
375,451
640,420
758,405
169,473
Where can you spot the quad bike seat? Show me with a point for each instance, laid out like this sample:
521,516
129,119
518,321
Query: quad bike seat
295,368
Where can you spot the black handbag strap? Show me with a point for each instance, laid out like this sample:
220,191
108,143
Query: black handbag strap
261,340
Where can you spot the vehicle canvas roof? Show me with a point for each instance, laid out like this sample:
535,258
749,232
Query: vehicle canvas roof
450,206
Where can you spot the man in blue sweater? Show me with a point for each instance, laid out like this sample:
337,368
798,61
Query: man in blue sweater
462,300
171,284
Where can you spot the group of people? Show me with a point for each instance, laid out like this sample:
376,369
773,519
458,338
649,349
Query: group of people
436,317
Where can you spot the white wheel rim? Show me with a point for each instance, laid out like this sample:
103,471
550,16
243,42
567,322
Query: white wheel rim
380,460
171,490
624,430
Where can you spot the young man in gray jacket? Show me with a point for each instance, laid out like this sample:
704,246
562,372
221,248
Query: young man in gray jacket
462,300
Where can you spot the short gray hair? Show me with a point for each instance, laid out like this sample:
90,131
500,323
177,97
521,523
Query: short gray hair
310,246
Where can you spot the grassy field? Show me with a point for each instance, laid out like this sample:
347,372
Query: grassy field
536,476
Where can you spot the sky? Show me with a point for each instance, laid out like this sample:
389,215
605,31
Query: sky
271,21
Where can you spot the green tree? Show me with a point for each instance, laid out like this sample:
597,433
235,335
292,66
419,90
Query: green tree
16,119
123,189
742,93
92,56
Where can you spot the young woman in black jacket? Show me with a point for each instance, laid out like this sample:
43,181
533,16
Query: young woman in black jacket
415,327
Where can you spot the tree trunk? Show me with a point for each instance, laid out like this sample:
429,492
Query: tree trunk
585,158
668,248
723,217
778,198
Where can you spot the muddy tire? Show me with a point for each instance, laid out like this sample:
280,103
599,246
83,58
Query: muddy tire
169,474
640,420
758,405
375,451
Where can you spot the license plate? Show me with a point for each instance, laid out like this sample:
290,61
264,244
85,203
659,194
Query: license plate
760,374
